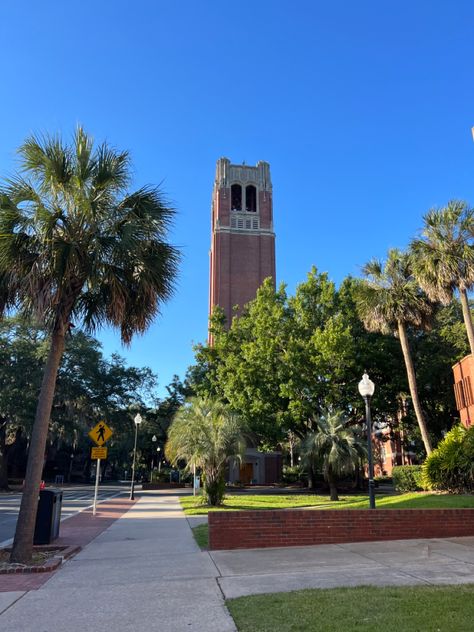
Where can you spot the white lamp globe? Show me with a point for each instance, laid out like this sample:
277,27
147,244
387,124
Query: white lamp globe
366,386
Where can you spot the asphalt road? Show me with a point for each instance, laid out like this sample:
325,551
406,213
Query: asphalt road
75,499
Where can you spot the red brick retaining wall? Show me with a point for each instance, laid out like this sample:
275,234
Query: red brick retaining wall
297,527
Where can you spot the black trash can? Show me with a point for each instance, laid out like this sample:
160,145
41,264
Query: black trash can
48,516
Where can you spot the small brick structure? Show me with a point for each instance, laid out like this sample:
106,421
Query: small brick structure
152,486
300,527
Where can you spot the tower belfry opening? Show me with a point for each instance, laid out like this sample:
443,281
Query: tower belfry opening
243,241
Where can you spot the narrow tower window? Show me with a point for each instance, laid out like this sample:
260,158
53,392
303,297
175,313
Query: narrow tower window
251,199
236,197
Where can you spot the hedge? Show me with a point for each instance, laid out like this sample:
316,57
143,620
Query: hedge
450,467
407,478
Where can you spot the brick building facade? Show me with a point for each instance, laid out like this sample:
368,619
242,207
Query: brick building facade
463,372
242,252
242,256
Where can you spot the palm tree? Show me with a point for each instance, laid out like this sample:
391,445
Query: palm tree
335,446
388,301
75,245
206,434
443,257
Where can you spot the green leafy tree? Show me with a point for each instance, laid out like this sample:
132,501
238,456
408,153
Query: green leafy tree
333,446
75,245
434,353
277,362
318,351
244,367
203,376
206,434
389,301
22,356
443,257
89,388
157,421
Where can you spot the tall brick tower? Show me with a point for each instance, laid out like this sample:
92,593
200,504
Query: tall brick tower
243,241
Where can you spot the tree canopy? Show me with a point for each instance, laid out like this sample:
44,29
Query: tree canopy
90,388
443,257
288,358
77,246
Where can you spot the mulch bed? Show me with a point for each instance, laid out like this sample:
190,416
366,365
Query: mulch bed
46,558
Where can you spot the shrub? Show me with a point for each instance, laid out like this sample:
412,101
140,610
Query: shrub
451,466
291,474
407,478
383,479
161,476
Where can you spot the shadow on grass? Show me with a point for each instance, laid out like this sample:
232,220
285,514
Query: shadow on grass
415,500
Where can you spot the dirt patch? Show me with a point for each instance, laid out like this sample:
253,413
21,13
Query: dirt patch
45,559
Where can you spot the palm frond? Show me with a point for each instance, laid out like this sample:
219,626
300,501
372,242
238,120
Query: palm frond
74,240
335,445
443,255
390,294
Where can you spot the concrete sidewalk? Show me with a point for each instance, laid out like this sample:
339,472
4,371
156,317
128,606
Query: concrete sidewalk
145,572
390,563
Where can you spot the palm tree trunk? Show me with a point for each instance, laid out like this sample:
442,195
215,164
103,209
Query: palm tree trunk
311,477
466,312
333,488
23,541
3,456
413,387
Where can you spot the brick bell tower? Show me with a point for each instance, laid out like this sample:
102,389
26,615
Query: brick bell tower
242,242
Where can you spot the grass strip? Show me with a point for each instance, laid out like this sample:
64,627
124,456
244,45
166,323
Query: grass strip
201,535
366,608
415,500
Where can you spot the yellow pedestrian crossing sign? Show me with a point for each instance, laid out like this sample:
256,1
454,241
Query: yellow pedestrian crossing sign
100,433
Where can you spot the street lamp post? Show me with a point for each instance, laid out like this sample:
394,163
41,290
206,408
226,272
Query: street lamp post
366,389
154,440
158,449
138,420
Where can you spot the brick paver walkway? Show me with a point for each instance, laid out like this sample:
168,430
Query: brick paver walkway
80,529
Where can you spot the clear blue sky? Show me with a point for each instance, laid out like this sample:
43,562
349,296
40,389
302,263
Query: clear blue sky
363,110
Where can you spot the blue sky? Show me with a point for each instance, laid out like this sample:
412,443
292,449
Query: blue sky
363,110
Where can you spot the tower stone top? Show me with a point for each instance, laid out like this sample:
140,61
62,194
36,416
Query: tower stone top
228,174
242,252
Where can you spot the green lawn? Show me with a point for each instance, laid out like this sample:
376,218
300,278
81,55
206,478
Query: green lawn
416,500
201,535
368,609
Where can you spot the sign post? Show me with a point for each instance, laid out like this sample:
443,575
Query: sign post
99,434
96,490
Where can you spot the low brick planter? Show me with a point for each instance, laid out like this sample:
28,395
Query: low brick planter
148,486
300,527
64,552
